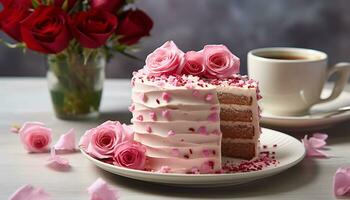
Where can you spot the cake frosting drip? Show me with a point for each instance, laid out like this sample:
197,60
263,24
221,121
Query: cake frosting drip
177,119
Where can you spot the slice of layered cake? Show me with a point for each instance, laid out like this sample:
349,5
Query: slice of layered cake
190,109
239,116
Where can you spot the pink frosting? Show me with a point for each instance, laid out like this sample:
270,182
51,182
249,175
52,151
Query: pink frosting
101,141
194,63
220,62
165,60
35,137
130,155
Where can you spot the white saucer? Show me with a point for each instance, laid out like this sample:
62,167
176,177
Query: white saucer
289,152
315,119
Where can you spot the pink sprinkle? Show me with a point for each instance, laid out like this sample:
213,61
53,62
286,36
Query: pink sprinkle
189,86
206,153
132,108
164,169
195,170
214,108
207,166
153,116
166,114
149,129
143,97
140,118
166,96
196,93
216,132
160,83
214,117
175,152
202,130
209,97
171,133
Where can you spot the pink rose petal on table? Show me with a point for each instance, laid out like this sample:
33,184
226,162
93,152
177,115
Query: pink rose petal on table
28,192
66,142
317,143
312,151
341,182
318,140
57,162
100,190
321,136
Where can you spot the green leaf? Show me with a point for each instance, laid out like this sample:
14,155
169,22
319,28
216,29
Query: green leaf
35,3
13,46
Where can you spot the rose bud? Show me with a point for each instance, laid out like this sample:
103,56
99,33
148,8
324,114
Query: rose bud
165,60
130,155
100,142
107,5
45,30
10,19
194,63
35,137
93,28
220,62
134,25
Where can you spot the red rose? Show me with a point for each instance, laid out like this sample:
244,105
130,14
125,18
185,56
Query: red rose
107,5
133,26
10,19
46,30
93,28
23,3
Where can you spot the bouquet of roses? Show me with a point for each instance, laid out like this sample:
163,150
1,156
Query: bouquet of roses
53,26
78,37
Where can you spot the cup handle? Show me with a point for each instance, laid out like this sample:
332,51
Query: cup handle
343,69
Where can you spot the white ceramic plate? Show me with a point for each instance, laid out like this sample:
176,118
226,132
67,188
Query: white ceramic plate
317,118
289,152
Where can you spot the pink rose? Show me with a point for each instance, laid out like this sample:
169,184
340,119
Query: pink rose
194,63
101,141
130,155
165,60
220,62
35,137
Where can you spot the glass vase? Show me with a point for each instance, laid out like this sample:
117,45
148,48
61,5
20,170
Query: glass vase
76,84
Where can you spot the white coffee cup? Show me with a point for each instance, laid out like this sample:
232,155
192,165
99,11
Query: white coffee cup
291,79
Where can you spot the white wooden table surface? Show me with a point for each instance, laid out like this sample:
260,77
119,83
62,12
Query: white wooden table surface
27,99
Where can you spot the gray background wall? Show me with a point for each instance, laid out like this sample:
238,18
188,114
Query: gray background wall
240,24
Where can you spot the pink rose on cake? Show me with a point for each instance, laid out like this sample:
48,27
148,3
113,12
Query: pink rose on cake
130,155
165,60
220,62
101,142
194,63
35,137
